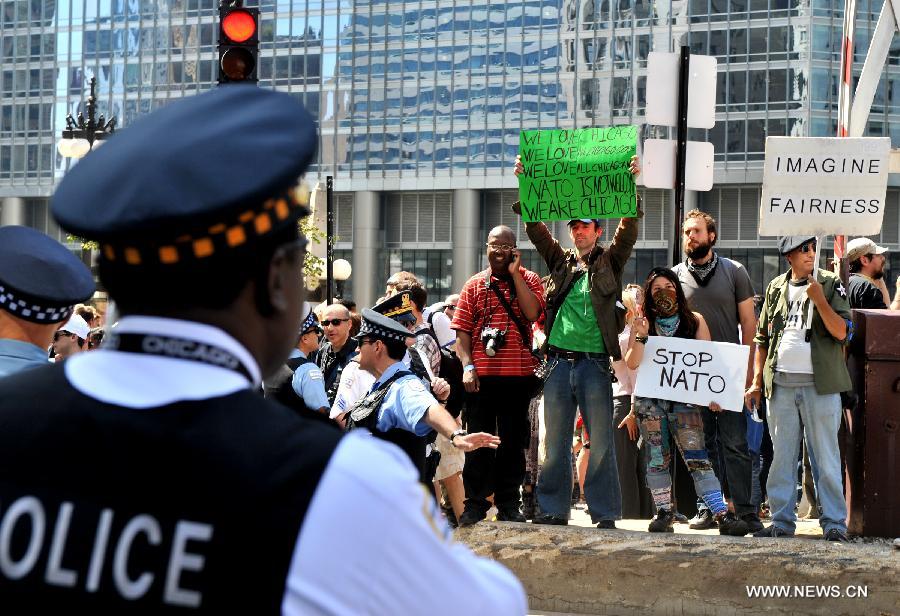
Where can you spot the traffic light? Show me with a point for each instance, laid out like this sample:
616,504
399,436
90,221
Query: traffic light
238,43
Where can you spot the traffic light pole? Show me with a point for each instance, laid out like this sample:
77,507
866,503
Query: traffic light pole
329,239
680,152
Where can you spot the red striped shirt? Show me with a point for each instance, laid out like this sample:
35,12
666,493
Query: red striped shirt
478,307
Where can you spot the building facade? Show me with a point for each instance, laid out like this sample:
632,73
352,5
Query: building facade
420,105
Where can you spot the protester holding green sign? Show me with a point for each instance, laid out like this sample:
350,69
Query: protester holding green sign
580,173
583,315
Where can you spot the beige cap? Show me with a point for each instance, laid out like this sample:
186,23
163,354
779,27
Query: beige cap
862,246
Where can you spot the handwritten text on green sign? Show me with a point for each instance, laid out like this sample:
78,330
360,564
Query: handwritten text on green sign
581,173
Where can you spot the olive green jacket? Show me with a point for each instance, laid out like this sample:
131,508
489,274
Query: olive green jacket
605,268
829,367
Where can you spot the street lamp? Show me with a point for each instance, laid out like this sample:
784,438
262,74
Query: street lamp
80,136
342,271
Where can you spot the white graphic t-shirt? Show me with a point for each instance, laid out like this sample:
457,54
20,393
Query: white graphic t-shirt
794,352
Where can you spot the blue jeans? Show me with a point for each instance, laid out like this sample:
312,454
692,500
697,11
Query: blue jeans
584,384
821,418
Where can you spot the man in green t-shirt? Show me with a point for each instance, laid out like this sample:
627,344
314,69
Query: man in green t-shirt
584,317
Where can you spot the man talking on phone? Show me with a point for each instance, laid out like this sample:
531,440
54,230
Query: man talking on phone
584,317
493,332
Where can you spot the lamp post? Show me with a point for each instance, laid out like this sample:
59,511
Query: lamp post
80,137
342,271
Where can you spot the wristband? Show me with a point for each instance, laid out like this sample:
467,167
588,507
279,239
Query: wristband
641,339
456,433
468,367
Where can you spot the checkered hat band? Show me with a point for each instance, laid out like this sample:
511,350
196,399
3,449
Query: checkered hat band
369,329
30,311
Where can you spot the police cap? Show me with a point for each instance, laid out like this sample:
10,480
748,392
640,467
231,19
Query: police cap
398,307
40,279
199,178
376,325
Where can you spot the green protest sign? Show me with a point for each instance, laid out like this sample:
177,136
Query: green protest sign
579,173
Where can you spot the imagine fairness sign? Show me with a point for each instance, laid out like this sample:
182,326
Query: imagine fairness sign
693,371
824,185
579,173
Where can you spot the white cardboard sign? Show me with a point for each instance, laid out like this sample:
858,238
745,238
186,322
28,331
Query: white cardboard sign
824,185
693,371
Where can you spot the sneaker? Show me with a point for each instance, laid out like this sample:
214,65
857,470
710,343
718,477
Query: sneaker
772,531
680,518
510,514
546,518
663,522
607,524
836,534
470,517
704,520
730,525
753,523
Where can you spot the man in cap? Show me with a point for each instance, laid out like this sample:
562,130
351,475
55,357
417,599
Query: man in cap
866,285
399,408
299,383
71,338
799,366
40,282
582,326
149,476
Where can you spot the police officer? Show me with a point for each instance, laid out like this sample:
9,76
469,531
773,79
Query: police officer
299,383
40,283
149,476
399,408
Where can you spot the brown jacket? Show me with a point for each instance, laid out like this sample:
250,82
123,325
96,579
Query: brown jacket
605,270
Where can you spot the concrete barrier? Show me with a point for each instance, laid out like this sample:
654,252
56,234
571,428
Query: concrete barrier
588,571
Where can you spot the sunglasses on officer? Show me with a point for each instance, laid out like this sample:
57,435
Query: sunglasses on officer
60,333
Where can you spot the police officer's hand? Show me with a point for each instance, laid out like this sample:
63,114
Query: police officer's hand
635,166
753,397
471,442
470,381
519,168
440,388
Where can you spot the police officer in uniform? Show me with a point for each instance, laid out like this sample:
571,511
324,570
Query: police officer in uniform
399,408
149,476
299,383
40,282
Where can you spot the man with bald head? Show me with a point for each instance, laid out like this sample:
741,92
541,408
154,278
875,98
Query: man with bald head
338,348
493,331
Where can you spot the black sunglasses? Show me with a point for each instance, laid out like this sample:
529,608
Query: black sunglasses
334,322
807,247
59,334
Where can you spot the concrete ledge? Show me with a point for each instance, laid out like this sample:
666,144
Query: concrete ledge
588,571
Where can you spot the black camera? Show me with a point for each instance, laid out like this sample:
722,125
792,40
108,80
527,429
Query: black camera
493,340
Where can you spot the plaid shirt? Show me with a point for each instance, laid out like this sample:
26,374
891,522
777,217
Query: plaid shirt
479,307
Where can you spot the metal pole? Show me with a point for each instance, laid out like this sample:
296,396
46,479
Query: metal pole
329,239
680,152
845,100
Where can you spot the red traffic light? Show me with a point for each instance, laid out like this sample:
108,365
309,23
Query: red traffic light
239,26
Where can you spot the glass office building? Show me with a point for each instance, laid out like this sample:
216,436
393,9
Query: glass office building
420,104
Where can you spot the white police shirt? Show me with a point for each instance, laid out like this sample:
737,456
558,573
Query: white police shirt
386,562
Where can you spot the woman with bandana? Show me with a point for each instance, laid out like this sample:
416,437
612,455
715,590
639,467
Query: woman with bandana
666,313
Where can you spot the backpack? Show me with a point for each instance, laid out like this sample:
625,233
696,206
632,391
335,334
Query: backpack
451,371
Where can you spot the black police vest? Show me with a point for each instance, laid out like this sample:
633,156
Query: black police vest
364,414
332,364
191,507
280,387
